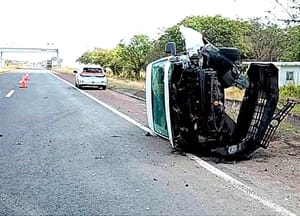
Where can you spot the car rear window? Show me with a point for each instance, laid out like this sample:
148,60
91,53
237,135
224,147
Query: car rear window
92,70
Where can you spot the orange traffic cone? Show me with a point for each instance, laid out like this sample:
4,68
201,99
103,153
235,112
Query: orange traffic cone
27,76
23,83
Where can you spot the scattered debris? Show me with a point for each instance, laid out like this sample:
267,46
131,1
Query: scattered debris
148,134
154,179
19,143
186,185
99,157
1,135
115,136
293,154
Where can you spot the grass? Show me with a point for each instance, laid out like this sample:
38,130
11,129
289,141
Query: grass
67,70
286,126
7,69
126,83
296,109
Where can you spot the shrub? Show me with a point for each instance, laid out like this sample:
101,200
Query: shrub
289,90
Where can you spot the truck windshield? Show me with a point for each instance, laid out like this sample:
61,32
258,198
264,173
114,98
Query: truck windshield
158,98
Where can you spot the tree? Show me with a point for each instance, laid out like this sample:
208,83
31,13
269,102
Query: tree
101,57
116,62
218,30
292,50
134,54
290,11
267,41
8,62
86,58
97,56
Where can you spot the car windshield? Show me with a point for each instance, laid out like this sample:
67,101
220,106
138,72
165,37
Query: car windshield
92,70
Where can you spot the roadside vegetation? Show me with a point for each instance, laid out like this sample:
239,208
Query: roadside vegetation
7,68
256,40
276,39
272,39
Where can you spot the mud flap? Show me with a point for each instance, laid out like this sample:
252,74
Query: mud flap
256,111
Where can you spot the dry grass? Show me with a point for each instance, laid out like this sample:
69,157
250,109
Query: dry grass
127,84
232,93
7,69
64,70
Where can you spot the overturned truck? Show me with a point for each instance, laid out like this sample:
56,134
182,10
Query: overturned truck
185,99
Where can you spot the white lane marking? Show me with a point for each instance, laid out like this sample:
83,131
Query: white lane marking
10,93
241,186
122,115
227,178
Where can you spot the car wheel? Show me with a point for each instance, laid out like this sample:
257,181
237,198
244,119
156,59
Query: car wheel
79,86
76,84
103,87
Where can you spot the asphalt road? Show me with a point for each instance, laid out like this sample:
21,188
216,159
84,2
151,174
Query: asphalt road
63,153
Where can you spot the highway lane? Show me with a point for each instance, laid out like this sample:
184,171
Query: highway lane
62,153
9,83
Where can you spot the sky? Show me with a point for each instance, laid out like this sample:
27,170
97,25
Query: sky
80,25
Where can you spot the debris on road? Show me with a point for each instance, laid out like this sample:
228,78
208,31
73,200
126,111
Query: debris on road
293,154
148,134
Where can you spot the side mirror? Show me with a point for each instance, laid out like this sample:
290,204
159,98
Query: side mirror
171,48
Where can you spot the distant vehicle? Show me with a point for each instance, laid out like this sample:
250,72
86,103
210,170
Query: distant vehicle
90,76
49,65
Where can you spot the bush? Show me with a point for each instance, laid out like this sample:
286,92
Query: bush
289,90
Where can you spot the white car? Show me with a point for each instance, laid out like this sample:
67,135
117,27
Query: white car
90,76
